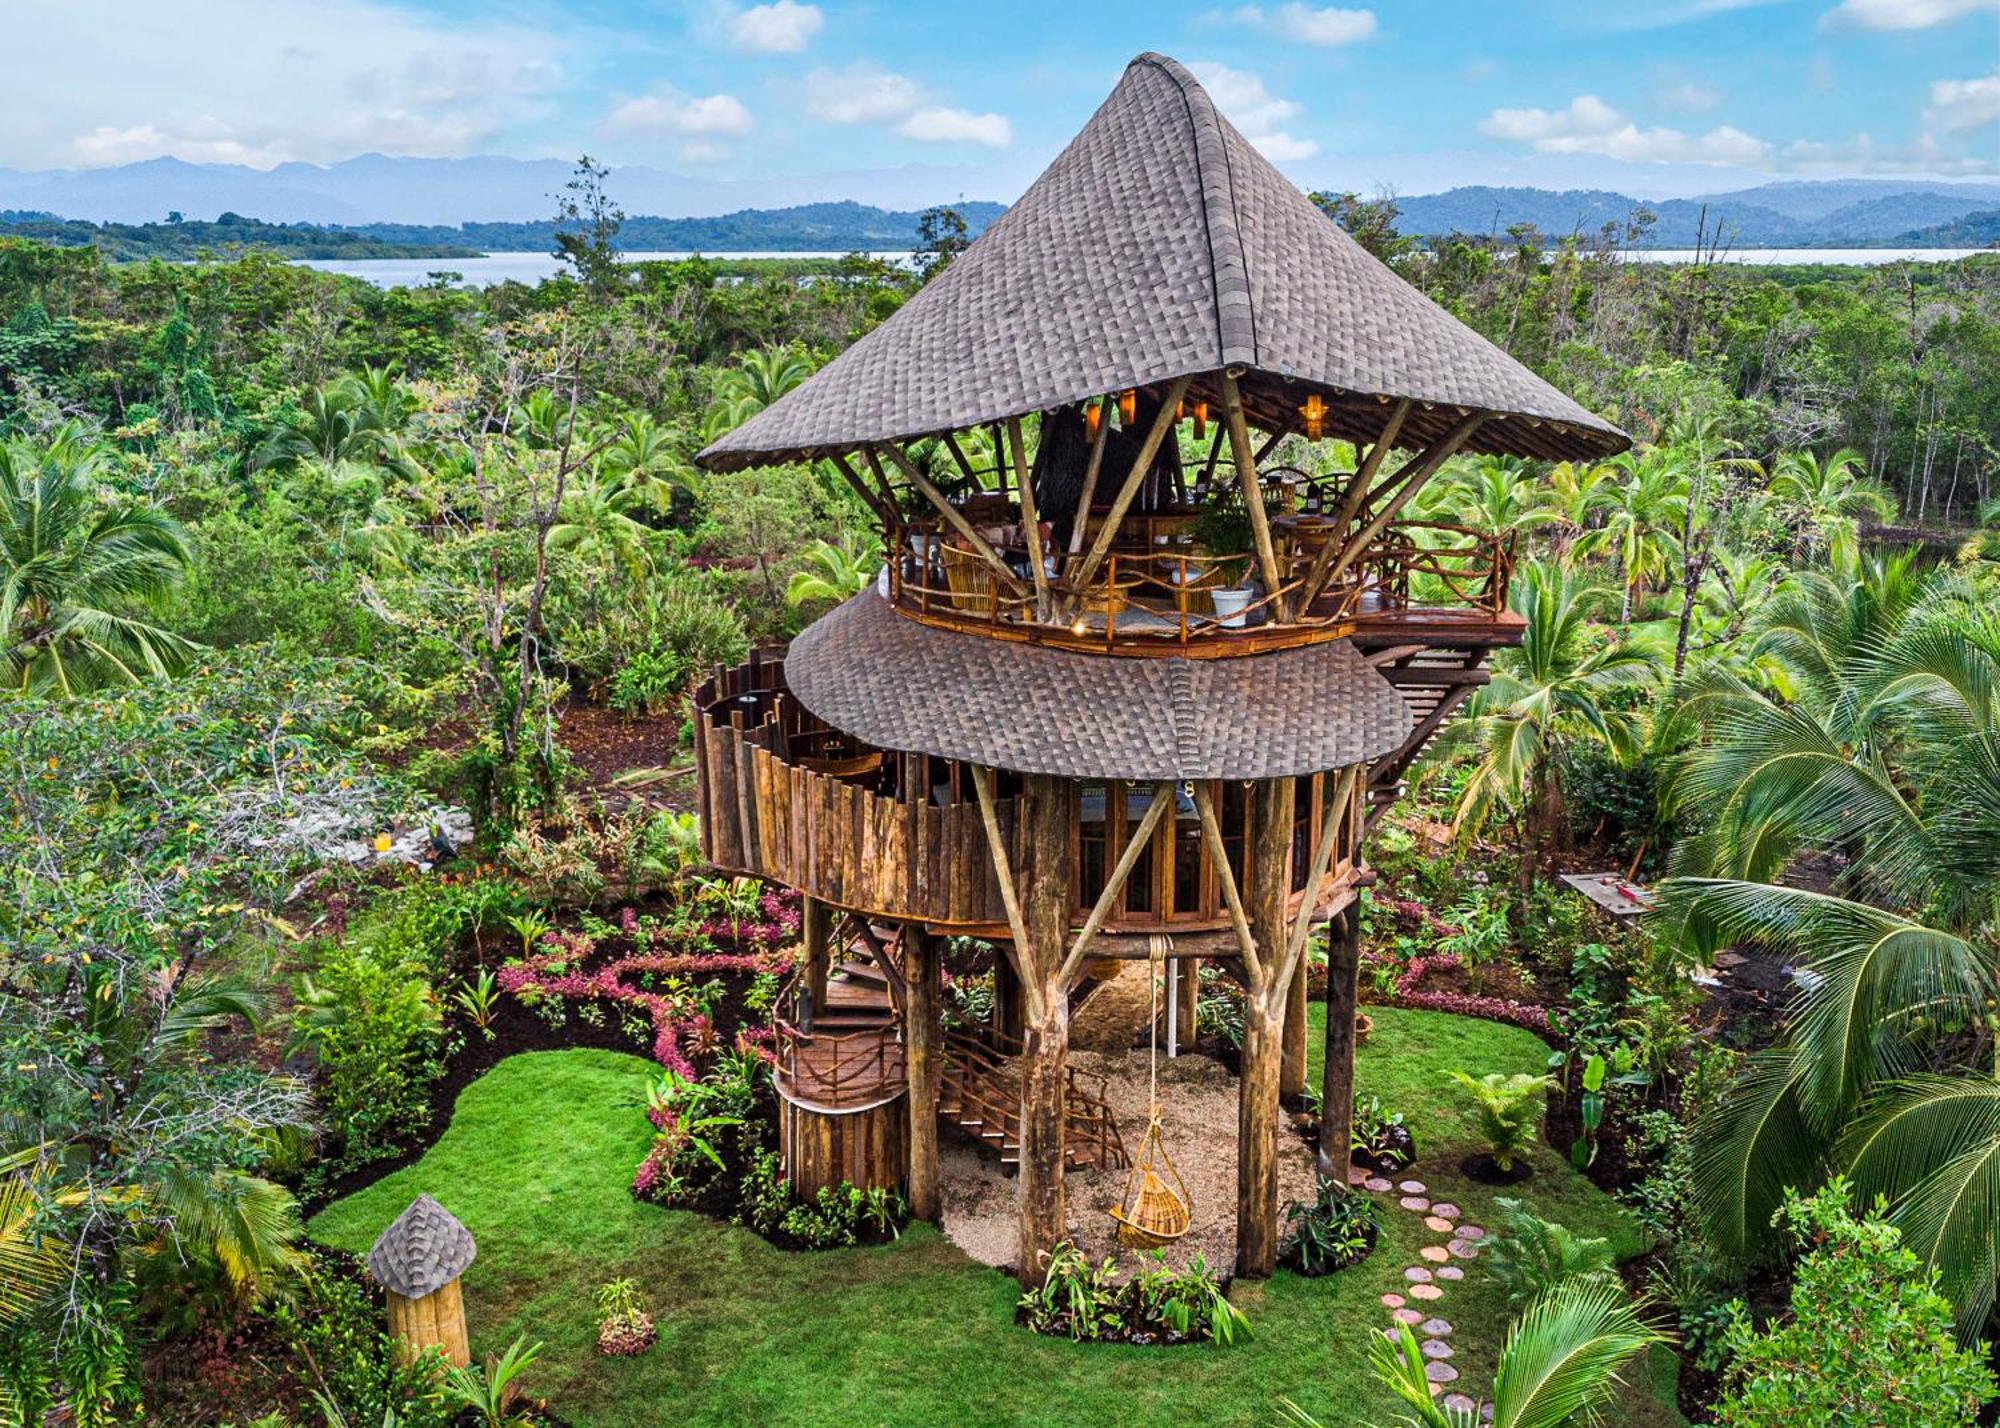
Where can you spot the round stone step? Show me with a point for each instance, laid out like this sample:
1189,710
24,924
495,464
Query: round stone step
1412,1187
1445,1209
1439,1372
1417,1274
1414,1202
1471,1232
1436,1224
1450,1271
1392,1301
1436,1254
1377,1184
1436,1328
1435,1349
1459,1403
1426,1292
1407,1316
1357,1175
1462,1249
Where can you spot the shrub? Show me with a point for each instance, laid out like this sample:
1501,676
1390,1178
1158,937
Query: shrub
333,1325
1869,1340
372,1023
1379,1137
1185,1303
1076,1299
1509,1109
624,1328
1085,1303
1531,1256
1331,1231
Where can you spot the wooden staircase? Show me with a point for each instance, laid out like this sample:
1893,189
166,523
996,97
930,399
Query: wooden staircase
980,1093
1434,680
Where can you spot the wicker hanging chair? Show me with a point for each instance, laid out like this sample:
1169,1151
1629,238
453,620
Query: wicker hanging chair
1155,1209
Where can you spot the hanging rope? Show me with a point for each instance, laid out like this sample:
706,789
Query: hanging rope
1155,1208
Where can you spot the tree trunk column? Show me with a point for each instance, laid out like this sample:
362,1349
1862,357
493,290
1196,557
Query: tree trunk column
1045,808
816,931
1187,992
1292,1056
921,1053
1263,1033
1343,994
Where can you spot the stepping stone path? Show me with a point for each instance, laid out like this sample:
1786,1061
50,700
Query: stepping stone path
1424,1283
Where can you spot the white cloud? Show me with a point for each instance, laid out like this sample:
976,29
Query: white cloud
1691,95
1242,97
668,111
1898,14
1308,26
782,27
1960,104
1280,146
1590,126
861,94
957,126
864,94
313,80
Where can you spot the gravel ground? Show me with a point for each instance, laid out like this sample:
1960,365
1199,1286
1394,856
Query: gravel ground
1198,1114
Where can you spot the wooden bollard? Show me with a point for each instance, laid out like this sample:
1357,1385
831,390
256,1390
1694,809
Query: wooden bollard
417,1261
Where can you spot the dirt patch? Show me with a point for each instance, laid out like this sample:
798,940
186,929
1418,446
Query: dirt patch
1198,1111
603,744
1113,1018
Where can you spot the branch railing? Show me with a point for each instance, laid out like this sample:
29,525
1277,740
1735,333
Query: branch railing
1180,595
981,1075
847,1072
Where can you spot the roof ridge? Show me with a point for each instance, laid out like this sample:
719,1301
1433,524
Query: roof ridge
1187,733
1229,266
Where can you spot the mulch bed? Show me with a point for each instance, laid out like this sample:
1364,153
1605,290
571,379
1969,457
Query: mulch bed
603,744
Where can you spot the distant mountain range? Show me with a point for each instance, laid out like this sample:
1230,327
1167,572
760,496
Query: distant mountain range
1834,214
500,204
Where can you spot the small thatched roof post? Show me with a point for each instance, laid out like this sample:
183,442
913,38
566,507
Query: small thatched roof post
418,1260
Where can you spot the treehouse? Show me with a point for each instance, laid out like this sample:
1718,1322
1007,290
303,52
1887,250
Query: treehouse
1125,687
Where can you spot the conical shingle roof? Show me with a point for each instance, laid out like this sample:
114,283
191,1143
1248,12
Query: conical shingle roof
1161,244
423,1250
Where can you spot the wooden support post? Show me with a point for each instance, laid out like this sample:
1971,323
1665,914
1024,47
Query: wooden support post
921,1059
1272,806
881,505
816,932
1189,993
1136,477
1046,813
1031,519
1090,470
1010,1015
1413,477
1343,993
1357,492
1292,1053
1253,495
952,514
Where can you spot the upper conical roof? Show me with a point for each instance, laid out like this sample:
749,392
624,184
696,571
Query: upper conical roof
1161,244
423,1250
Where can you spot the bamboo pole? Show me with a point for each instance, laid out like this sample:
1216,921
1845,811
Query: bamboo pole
1031,520
1135,847
957,519
1225,876
1253,495
1003,873
1357,492
1421,470
958,455
884,509
1099,548
1090,470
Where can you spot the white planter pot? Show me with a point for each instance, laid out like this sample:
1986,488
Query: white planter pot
1230,605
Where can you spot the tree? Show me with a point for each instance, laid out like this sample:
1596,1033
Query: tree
940,238
757,380
1370,222
587,224
835,572
1555,690
1889,756
1827,499
1639,520
1868,1341
75,563
1494,495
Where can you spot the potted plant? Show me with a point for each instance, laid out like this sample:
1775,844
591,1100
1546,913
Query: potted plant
1223,531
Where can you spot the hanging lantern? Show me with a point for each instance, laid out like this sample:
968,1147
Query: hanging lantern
1128,406
1093,417
1314,412
1200,421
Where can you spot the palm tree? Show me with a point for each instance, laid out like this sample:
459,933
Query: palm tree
1890,758
836,572
1641,517
1828,497
756,381
1573,496
596,522
74,564
1495,494
642,460
1552,692
1561,1362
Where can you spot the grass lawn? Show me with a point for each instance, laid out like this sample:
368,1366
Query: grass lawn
539,1154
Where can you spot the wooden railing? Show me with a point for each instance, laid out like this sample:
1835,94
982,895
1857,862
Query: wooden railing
1167,596
981,1077
848,1072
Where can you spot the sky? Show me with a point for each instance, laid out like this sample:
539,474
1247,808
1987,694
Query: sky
1656,97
